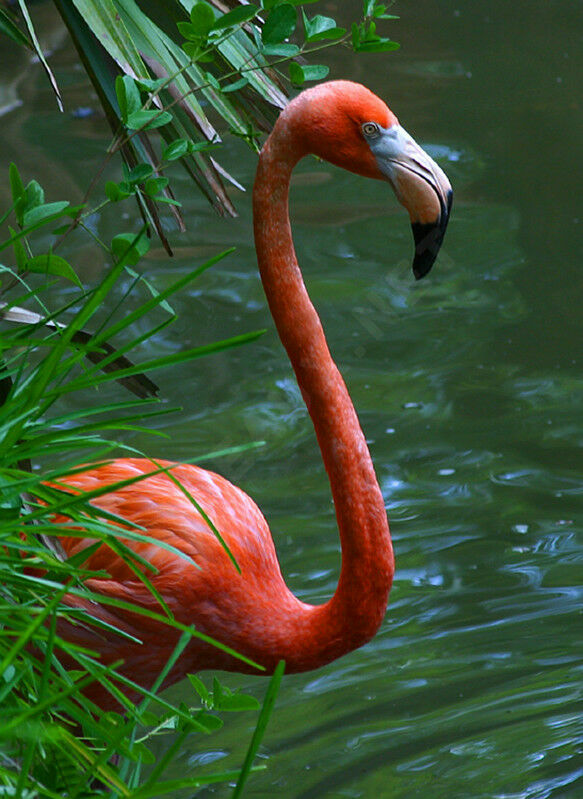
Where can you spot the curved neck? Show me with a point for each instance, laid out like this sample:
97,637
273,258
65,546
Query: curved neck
357,608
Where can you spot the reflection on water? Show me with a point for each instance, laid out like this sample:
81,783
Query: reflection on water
469,388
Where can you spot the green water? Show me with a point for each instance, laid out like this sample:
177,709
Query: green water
468,386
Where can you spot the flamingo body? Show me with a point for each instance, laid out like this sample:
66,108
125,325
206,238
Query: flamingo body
253,611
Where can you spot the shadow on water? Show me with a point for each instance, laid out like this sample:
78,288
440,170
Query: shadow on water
469,389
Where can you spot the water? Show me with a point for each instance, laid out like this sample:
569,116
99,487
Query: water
468,386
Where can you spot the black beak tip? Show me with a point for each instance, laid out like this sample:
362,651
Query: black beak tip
422,263
428,239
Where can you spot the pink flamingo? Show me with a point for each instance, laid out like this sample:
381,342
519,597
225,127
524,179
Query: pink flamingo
253,611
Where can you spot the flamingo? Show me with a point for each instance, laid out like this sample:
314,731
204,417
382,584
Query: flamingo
252,611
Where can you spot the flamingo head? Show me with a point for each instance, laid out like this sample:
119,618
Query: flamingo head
346,124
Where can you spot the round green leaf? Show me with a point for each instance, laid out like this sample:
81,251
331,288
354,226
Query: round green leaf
129,247
280,24
202,18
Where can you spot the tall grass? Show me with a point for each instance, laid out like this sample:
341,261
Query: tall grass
54,741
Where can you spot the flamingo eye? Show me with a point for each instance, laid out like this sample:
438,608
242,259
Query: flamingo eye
370,129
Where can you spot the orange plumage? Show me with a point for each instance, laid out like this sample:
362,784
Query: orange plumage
253,611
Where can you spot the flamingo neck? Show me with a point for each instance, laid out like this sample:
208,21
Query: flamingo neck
356,610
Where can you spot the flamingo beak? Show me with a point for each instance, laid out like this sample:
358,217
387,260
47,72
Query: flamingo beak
421,186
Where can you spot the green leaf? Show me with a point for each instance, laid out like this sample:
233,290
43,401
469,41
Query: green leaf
147,120
17,189
8,28
202,18
115,192
315,71
237,702
280,24
296,73
284,49
320,28
175,150
154,186
199,687
140,173
40,212
19,251
130,247
212,81
195,52
51,264
379,14
238,84
188,30
128,96
237,16
209,722
377,46
149,85
34,194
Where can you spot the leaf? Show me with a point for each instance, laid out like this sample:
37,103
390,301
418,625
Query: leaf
19,251
115,192
147,120
34,194
280,24
320,28
128,96
140,173
106,22
51,264
175,150
202,18
296,73
189,31
315,71
237,16
154,186
195,52
40,212
17,189
129,247
199,687
8,28
208,721
377,46
238,84
237,702
212,81
284,49
40,54
149,85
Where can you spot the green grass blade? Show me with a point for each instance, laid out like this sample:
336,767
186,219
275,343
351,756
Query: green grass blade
262,721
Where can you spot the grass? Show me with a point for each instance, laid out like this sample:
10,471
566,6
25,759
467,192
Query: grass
54,741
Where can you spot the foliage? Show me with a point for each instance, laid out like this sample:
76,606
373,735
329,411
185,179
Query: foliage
53,740
185,64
